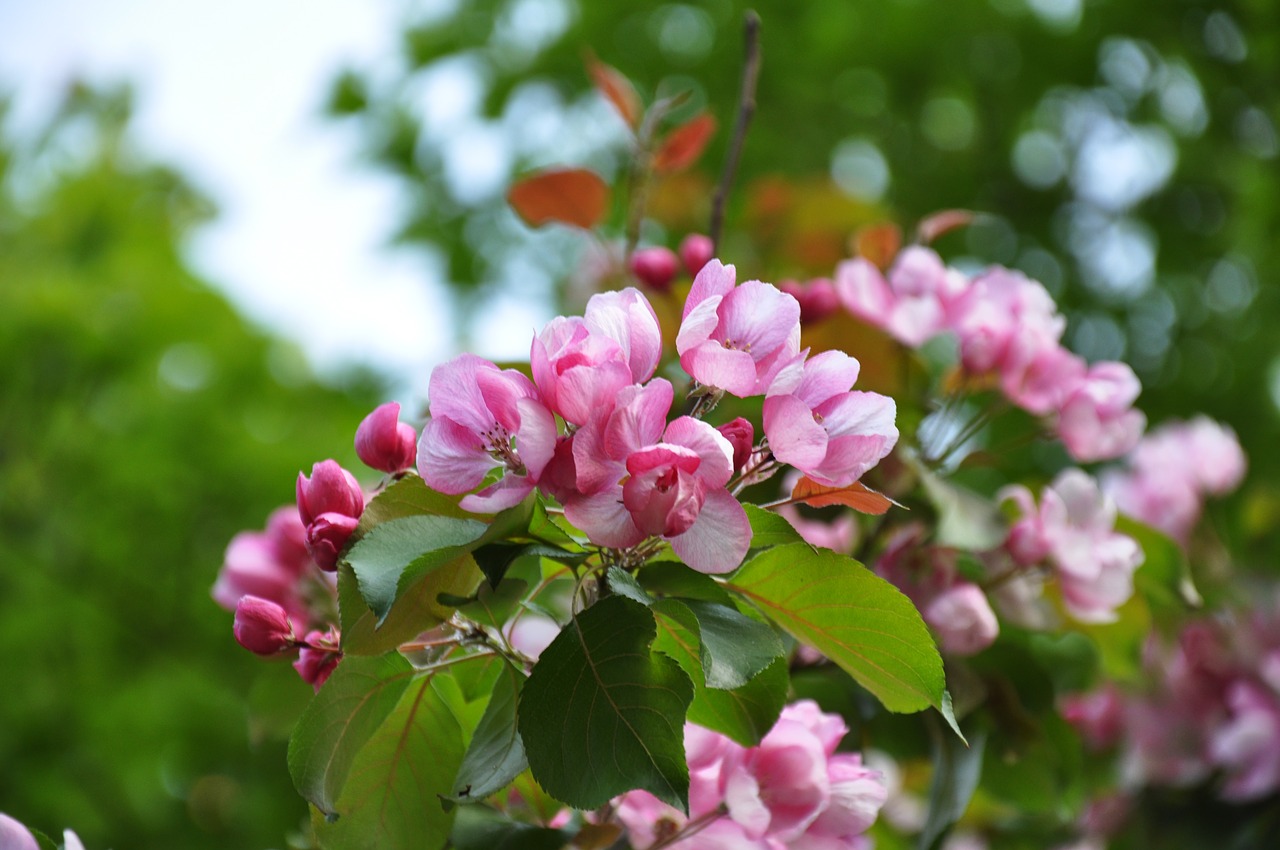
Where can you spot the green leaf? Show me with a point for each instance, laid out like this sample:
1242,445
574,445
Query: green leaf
339,722
623,583
417,609
496,755
672,578
602,715
745,714
543,527
391,801
492,606
410,496
1164,577
956,771
769,529
482,828
43,841
733,647
857,619
496,558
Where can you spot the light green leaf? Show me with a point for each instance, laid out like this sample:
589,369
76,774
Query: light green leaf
601,715
340,720
857,619
496,755
769,529
966,520
671,578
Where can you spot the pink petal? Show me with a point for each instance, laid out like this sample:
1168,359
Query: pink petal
507,492
501,392
719,540
795,438
595,467
713,365
698,325
628,318
757,317
714,279
455,393
451,457
536,436
639,417
604,519
863,291
587,393
827,374
710,445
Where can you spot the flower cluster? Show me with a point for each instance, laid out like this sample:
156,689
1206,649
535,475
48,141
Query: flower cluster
793,791
593,427
1073,530
1007,327
1168,475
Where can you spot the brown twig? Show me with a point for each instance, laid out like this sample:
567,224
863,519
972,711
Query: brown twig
746,109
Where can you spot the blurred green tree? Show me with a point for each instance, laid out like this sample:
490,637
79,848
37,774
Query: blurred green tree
142,423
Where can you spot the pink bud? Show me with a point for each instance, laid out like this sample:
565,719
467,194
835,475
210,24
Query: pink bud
330,489
385,443
741,435
318,657
262,626
655,267
695,252
818,298
326,536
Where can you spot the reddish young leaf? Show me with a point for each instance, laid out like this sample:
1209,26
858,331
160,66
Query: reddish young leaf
879,243
861,498
685,144
566,195
933,226
616,88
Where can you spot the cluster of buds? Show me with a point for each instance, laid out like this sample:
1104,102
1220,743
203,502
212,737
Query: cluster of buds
657,266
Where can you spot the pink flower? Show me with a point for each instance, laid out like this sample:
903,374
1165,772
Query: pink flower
1040,380
912,305
816,424
696,251
1218,462
1003,319
1247,745
326,537
962,618
1099,716
857,795
385,443
741,434
655,267
735,338
1097,420
330,489
15,836
263,627
251,566
483,417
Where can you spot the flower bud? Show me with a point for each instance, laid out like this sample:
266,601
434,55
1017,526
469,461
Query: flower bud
262,626
330,489
318,658
655,267
741,435
817,298
326,536
963,619
385,443
695,252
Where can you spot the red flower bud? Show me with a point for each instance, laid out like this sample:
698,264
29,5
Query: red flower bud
319,656
385,443
655,267
262,626
695,252
741,435
330,489
326,536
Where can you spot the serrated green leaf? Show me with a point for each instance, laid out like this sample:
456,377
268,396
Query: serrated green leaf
339,722
623,583
601,715
494,606
861,622
496,754
733,647
745,714
769,529
410,496
418,607
392,799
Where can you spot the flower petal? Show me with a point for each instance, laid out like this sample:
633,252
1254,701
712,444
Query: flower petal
720,538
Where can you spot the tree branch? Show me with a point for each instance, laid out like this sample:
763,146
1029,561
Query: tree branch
746,109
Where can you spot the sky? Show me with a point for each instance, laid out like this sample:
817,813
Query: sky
231,94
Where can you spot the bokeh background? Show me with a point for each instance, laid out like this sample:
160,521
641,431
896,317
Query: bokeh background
226,233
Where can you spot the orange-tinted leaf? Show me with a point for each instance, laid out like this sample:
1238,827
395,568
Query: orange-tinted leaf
685,143
597,836
879,243
931,227
616,88
568,195
861,498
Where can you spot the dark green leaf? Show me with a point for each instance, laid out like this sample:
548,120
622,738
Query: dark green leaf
494,606
418,608
496,558
482,828
623,583
956,771
391,801
601,714
43,841
496,754
734,647
769,529
671,578
339,722
861,622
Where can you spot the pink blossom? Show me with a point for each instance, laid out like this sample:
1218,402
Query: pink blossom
385,443
1041,379
655,267
287,537
816,424
1098,716
1097,420
1003,319
857,795
330,489
532,633
735,338
1247,745
251,566
741,434
962,618
481,418
696,251
262,626
327,535
15,836
912,305
1218,462
779,788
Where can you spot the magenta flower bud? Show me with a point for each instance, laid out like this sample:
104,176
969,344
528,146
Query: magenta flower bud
655,267
695,252
385,443
742,436
318,658
262,626
326,536
330,489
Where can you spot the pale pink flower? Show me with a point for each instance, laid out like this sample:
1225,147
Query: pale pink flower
778,788
914,303
1003,319
962,618
857,795
816,424
735,338
481,418
1217,460
1041,379
1097,421
385,443
15,836
532,633
1247,745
